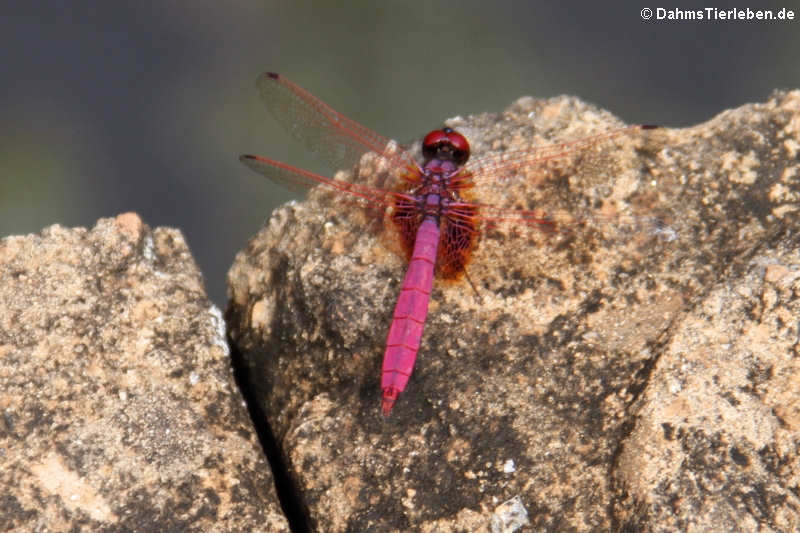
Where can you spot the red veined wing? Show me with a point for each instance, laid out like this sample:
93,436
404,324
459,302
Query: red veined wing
294,177
330,135
490,171
492,168
567,221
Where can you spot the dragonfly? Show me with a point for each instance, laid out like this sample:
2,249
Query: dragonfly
430,203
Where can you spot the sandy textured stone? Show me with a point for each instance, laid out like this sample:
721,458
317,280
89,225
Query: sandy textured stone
543,390
119,408
716,438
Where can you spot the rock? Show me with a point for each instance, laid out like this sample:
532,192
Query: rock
714,445
587,358
119,409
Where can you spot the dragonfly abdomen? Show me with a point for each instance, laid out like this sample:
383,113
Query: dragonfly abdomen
410,312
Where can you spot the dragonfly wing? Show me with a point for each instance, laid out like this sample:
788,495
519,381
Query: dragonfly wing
299,179
496,167
570,221
330,135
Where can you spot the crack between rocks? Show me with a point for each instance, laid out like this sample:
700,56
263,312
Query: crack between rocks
294,509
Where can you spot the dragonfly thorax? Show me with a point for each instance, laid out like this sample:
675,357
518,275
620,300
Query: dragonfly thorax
439,166
435,192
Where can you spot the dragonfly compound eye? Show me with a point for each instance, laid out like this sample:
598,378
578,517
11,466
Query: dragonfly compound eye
446,143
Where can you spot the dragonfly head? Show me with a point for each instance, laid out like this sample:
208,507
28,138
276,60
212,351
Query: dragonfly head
446,144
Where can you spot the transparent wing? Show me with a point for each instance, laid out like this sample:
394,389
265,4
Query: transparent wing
330,135
493,168
570,221
296,178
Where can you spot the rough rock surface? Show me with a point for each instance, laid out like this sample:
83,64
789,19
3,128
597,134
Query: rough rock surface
605,378
715,442
119,411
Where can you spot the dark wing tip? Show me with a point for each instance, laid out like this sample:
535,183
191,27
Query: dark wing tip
644,126
247,157
267,78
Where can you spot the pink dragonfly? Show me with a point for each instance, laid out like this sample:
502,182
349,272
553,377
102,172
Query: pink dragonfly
427,203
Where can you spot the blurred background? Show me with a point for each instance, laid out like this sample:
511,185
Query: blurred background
107,107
